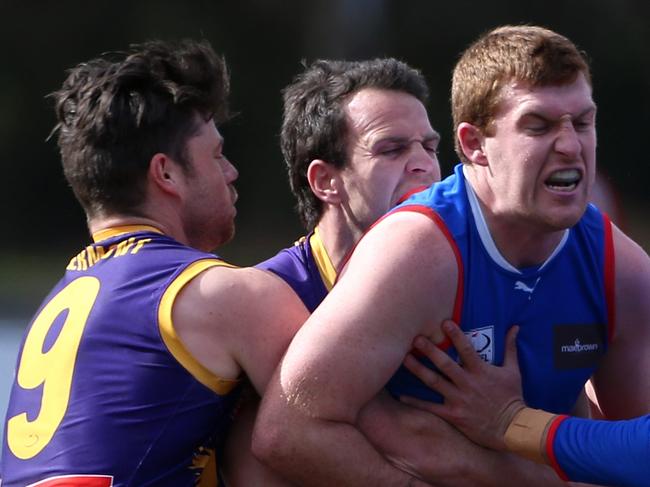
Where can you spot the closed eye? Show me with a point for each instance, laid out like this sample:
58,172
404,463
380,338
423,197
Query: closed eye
537,128
393,150
583,125
431,149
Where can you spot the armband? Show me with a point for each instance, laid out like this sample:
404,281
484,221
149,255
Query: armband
526,434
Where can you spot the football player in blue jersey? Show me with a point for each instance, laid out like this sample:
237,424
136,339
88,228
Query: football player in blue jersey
356,139
508,239
485,402
129,369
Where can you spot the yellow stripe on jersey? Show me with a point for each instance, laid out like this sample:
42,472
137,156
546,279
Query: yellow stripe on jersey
172,340
115,231
323,261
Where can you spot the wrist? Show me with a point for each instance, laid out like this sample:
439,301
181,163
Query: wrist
527,432
507,416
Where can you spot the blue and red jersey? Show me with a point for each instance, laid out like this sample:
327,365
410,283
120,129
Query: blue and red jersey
601,452
564,307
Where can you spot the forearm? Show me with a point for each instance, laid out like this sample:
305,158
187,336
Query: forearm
315,452
427,446
239,467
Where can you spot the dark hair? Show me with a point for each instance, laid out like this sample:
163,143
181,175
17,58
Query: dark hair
115,114
314,124
528,53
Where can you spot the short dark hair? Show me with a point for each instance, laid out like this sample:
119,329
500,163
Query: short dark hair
314,124
118,110
528,53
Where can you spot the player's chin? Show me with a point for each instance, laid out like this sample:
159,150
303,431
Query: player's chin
565,218
223,234
229,232
561,211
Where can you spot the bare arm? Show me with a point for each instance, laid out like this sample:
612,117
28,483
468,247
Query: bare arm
236,321
411,439
240,467
348,349
622,382
417,441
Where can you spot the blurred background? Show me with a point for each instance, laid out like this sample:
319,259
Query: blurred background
264,42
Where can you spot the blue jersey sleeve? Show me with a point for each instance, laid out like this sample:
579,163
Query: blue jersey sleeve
604,452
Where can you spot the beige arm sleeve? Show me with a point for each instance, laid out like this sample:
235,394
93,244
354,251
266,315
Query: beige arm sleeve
526,434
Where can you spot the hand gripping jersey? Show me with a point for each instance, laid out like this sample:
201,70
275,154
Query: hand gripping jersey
306,267
105,393
564,307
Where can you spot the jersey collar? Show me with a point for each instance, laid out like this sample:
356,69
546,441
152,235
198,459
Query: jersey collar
121,230
323,261
488,241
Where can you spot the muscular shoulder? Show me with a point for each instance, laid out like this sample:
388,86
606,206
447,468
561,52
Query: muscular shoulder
621,382
629,255
411,246
238,320
405,258
632,266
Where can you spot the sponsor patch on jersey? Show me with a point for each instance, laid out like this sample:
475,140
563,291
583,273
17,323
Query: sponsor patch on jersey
577,346
483,341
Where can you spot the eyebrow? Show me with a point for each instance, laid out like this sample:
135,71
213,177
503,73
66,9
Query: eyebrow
542,114
432,136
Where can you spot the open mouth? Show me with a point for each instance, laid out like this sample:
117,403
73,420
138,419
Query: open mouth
564,180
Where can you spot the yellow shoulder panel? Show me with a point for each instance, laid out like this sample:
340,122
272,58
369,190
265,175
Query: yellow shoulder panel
171,339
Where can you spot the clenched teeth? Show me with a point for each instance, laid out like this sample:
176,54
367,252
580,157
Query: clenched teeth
564,180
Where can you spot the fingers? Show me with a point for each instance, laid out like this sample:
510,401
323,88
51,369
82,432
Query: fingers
430,378
468,356
431,407
445,364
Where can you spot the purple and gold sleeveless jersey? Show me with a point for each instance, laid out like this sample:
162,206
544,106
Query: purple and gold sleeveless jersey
564,307
306,267
105,393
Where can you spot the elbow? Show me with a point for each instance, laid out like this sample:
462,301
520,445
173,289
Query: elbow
271,442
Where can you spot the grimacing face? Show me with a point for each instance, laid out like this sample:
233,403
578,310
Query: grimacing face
391,149
541,152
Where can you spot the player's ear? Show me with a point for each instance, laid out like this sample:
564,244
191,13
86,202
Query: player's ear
471,141
165,174
324,180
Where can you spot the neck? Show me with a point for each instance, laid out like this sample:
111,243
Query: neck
521,242
337,237
521,245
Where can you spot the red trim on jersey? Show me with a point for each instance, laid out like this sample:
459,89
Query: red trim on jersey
410,193
550,452
403,198
458,303
426,211
86,480
610,278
